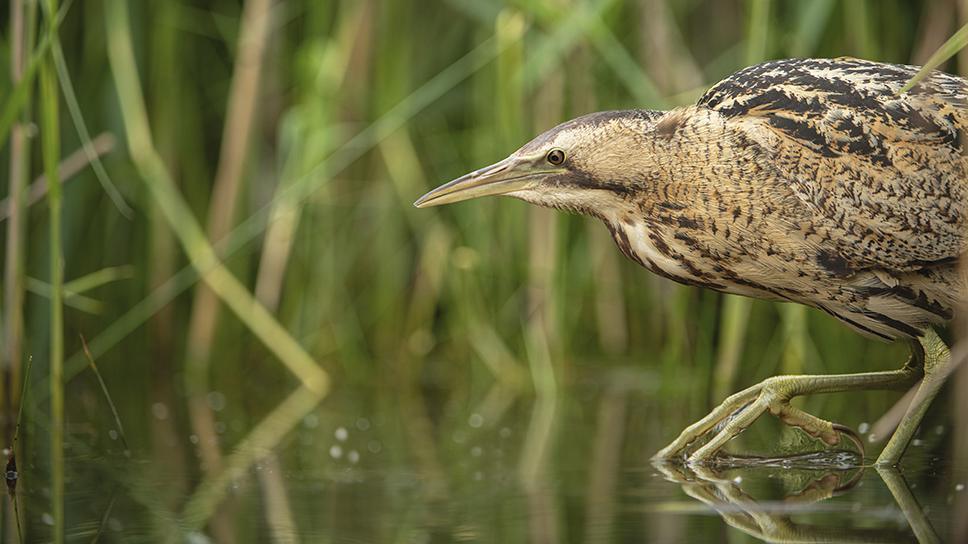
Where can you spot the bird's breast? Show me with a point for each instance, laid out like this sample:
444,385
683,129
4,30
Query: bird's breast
648,246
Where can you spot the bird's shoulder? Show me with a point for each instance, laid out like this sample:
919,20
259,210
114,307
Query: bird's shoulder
847,106
812,85
882,173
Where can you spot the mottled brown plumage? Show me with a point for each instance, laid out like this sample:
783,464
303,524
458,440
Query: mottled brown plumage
804,180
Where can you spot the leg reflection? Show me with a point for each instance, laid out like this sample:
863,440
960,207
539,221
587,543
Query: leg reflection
721,488
912,510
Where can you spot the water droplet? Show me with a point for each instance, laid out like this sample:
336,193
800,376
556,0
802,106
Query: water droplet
475,420
341,434
196,537
353,456
193,438
939,430
112,434
311,421
159,410
374,446
505,432
738,480
47,519
115,525
959,487
917,442
362,424
335,451
216,400
863,427
476,451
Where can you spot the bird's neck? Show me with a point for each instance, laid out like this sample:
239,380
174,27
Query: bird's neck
693,176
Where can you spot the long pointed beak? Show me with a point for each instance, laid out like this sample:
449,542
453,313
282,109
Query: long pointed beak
500,178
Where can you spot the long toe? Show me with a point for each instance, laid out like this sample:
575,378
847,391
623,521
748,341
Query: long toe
693,433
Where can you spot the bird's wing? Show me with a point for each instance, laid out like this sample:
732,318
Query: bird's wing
883,173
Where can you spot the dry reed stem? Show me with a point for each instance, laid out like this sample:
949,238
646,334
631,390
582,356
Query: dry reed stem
240,112
934,27
13,290
239,115
664,54
69,167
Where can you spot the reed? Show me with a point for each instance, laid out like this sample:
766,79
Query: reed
50,151
22,25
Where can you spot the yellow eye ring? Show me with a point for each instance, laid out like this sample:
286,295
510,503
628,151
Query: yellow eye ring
556,157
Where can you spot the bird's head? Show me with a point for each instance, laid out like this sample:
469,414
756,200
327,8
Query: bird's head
582,165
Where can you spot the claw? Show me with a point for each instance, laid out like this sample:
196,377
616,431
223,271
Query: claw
852,436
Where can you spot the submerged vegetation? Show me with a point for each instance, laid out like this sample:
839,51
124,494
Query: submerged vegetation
226,220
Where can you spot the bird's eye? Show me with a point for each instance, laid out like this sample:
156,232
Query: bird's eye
556,157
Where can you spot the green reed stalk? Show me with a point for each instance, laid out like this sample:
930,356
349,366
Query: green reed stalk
50,151
957,42
16,102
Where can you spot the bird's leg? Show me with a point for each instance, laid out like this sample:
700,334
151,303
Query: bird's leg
774,394
937,367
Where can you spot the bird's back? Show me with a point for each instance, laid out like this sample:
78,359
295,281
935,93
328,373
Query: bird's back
888,168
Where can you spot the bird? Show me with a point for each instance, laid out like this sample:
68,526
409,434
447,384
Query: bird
810,181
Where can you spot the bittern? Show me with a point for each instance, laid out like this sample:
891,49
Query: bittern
812,181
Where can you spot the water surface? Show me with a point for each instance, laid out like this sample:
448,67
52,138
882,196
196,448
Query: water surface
381,464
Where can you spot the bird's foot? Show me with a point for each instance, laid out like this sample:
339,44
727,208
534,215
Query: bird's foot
740,410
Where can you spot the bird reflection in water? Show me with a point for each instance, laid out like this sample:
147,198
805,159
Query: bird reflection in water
808,480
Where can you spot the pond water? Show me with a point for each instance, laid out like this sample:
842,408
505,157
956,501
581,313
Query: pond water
380,464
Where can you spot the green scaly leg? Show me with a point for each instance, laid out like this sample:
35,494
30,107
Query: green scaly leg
740,410
937,367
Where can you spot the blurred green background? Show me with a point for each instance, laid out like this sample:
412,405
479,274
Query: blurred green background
291,137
